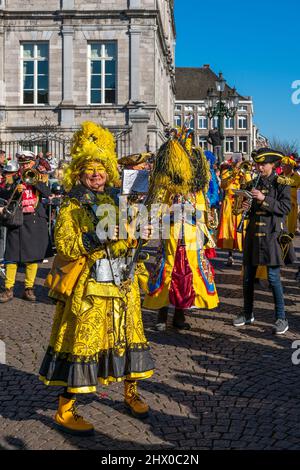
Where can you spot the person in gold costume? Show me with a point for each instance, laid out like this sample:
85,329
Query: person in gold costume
182,276
291,177
97,334
233,177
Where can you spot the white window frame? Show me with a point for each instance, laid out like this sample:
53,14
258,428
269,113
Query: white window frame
189,109
202,117
193,118
202,142
243,140
103,60
242,109
178,108
225,123
175,120
214,122
227,141
35,61
244,119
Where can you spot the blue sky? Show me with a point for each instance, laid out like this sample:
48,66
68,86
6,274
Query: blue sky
256,44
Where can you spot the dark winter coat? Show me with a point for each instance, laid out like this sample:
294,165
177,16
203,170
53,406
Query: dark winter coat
266,222
29,242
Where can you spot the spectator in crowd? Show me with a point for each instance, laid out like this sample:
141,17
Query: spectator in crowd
26,244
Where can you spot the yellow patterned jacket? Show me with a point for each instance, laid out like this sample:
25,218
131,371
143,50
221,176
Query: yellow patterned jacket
72,222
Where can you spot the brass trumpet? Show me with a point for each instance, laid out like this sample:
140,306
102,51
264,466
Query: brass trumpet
246,166
30,176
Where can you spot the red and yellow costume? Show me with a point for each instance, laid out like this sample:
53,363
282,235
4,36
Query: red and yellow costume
232,178
183,275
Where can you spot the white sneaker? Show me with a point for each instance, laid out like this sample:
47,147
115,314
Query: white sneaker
161,326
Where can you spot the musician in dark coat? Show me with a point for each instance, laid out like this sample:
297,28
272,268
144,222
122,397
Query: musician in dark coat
26,244
270,206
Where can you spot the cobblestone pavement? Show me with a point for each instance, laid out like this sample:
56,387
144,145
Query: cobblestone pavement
215,387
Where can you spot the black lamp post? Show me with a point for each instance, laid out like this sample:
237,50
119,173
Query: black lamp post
218,106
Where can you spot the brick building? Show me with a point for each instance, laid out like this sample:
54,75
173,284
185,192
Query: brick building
66,61
191,90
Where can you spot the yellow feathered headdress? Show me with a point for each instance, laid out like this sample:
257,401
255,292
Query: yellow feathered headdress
92,143
180,167
173,168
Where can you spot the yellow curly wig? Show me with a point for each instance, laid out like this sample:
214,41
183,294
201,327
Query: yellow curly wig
92,143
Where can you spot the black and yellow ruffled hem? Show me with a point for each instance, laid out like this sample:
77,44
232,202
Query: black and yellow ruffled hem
101,381
82,374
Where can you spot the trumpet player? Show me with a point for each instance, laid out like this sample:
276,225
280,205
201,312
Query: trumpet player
234,175
270,205
27,242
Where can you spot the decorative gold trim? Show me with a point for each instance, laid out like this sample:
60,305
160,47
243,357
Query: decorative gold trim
93,389
50,382
265,191
261,158
261,224
265,203
258,234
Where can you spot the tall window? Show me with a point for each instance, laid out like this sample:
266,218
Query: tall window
35,73
242,122
215,122
202,142
229,144
177,120
202,122
102,66
243,144
189,121
229,123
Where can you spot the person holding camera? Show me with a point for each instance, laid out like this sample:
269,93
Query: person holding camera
270,205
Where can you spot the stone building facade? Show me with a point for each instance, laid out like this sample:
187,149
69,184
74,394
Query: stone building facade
63,62
191,91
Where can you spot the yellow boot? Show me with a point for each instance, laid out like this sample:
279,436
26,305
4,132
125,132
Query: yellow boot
133,401
69,420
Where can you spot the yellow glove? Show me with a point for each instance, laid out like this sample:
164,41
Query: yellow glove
21,187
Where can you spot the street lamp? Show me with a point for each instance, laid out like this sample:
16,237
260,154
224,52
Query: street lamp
218,106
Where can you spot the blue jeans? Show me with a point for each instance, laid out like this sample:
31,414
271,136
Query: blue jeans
276,287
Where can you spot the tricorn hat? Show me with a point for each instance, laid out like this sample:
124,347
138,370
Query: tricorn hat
266,155
135,159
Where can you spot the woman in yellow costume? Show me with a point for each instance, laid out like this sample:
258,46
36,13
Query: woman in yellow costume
290,177
97,333
233,177
183,275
